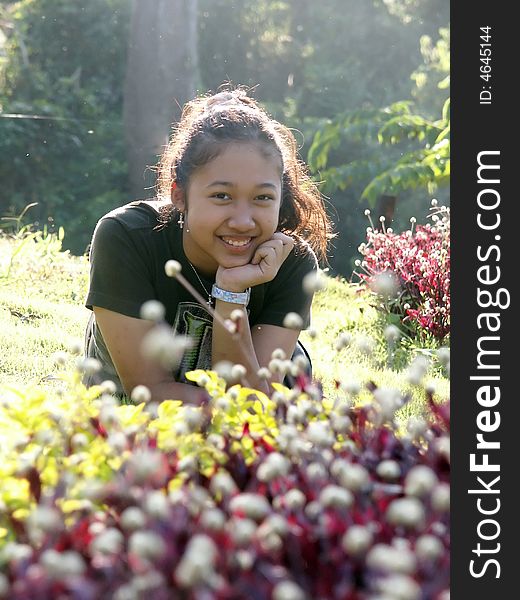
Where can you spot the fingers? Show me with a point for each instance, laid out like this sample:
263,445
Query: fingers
274,251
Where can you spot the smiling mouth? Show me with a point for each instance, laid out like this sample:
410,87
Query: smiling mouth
236,242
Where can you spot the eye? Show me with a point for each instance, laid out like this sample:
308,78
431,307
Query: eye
264,197
221,196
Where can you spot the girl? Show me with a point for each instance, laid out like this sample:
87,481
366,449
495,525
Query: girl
237,209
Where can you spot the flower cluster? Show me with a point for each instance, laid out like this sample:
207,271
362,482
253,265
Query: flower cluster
289,497
411,272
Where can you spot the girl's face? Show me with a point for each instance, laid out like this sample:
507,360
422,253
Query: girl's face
232,206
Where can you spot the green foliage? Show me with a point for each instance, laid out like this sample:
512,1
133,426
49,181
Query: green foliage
65,60
67,151
421,166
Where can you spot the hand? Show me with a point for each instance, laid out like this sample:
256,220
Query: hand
264,265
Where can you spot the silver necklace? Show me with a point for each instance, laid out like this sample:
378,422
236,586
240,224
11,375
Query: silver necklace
210,299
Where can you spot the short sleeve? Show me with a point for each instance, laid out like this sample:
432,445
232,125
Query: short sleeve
286,294
120,277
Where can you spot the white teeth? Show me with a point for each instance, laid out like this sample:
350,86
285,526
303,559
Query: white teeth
236,243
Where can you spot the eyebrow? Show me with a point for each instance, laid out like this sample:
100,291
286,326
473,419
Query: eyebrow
230,184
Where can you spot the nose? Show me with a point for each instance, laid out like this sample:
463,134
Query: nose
242,218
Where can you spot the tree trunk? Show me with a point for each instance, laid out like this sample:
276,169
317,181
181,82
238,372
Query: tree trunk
161,75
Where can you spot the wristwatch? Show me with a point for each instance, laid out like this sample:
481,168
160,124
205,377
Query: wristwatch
233,297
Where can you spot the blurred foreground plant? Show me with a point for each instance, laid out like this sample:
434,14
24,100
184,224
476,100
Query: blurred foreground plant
243,496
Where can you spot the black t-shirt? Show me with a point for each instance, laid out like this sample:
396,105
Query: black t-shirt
127,258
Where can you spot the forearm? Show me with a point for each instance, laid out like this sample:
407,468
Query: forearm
237,348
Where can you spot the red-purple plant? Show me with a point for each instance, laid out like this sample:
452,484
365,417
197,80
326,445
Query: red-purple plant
340,508
411,271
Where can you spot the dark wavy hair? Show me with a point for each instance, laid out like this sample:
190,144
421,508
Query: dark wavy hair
210,122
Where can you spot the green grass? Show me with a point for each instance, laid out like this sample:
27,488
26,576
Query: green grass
42,291
41,307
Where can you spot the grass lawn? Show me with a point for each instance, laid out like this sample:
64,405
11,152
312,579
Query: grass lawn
42,291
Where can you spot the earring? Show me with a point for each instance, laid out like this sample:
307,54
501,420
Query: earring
180,222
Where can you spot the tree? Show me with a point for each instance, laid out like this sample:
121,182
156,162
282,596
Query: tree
61,74
161,75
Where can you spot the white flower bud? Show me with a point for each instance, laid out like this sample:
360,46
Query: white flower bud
443,356
244,559
274,465
336,497
192,417
313,282
60,358
213,519
268,539
351,387
108,387
287,590
263,373
417,369
156,504
408,512
319,433
399,587
301,362
353,476
88,365
441,497
222,483
388,400
108,541
188,464
357,540
223,404
238,372
161,345
388,470
416,427
152,310
76,347
223,369
277,523
217,441
62,564
146,544
295,499
428,547
385,284
340,423
419,481
172,268
14,552
293,320
442,447
343,340
276,365
390,559
316,472
133,518
44,518
392,333
4,586
242,530
140,394
251,505
365,344
117,441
